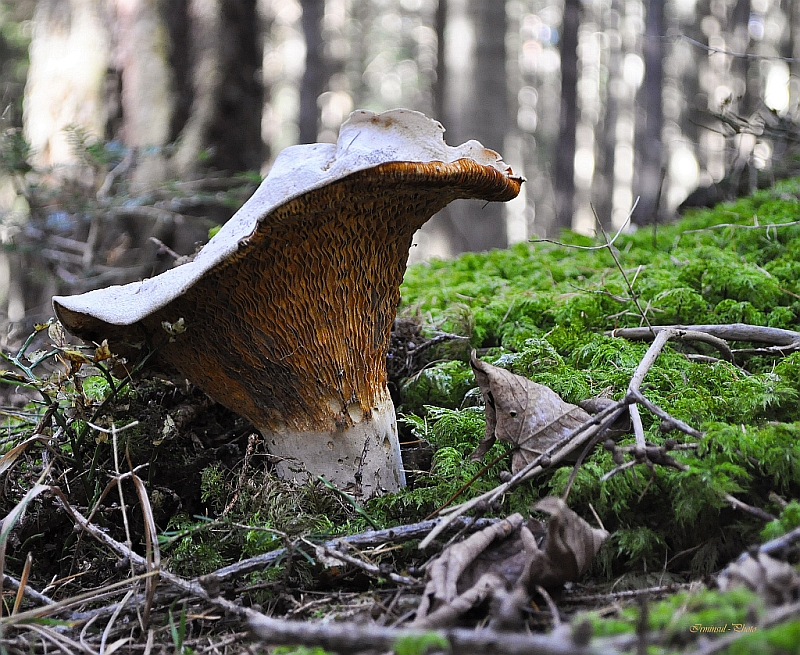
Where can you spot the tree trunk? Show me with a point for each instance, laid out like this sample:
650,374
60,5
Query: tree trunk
746,98
564,166
223,129
603,191
440,84
144,73
70,55
648,182
148,72
484,116
471,102
313,82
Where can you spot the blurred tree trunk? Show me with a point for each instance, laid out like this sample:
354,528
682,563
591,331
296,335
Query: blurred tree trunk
223,129
648,181
564,165
482,114
70,56
484,226
603,191
148,72
475,106
440,84
793,51
745,73
313,83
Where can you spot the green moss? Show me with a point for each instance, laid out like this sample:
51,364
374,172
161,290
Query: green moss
786,522
679,616
454,435
96,388
685,618
197,552
441,385
545,311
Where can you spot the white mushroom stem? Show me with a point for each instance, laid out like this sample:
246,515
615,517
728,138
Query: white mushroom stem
364,457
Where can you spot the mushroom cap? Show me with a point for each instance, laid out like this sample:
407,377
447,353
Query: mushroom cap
366,140
288,309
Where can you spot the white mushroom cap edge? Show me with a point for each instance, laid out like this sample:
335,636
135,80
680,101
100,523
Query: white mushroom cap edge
365,140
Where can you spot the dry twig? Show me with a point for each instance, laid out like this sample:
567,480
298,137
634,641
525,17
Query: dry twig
348,638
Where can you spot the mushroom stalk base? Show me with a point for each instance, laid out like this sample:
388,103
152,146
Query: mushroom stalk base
363,459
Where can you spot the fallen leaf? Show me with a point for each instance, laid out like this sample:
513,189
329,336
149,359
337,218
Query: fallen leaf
102,352
569,546
529,416
446,570
507,556
775,581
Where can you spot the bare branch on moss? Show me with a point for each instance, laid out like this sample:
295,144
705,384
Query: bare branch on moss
668,419
554,454
349,638
601,421
399,534
30,592
728,332
326,553
766,227
607,244
781,543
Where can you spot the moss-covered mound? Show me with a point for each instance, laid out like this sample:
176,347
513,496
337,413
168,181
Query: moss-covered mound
543,310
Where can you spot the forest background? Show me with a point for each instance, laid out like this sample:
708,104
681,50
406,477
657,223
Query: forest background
107,105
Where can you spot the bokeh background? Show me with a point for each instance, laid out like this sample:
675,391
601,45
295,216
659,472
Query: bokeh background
132,127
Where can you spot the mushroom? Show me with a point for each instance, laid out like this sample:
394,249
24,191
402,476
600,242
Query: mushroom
285,315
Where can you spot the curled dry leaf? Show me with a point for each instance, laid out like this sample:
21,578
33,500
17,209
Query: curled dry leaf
569,546
508,556
529,416
775,581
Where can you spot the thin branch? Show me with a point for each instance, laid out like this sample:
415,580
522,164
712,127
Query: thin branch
636,395
728,332
607,244
650,357
352,638
613,253
780,543
554,454
729,53
372,569
31,593
740,226
399,534
638,428
550,605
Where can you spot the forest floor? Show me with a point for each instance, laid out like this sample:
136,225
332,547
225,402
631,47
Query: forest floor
663,516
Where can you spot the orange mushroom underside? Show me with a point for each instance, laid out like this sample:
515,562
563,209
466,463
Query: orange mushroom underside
292,331
301,315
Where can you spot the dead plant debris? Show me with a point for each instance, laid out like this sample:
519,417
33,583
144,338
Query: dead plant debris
142,517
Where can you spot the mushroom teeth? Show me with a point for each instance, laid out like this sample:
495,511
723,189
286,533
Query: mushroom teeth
288,309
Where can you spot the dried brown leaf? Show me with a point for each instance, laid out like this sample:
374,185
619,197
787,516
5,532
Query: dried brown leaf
444,573
569,547
507,556
529,416
775,581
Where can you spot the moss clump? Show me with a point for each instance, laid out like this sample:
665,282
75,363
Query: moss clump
543,311
454,435
786,522
440,385
690,272
685,618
